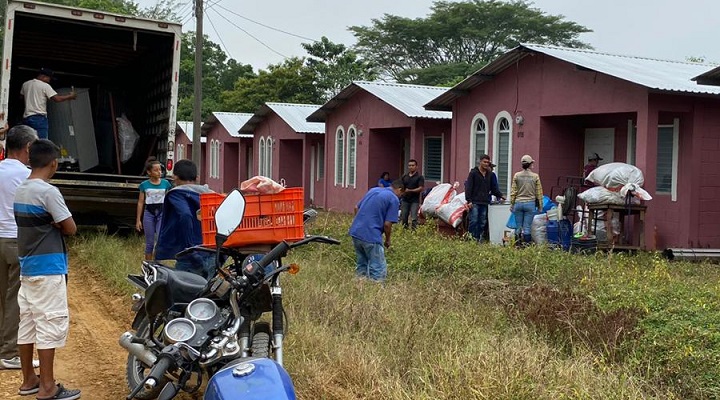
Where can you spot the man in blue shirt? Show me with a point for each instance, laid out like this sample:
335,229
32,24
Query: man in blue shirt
374,215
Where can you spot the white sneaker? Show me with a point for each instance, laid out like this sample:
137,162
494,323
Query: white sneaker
14,363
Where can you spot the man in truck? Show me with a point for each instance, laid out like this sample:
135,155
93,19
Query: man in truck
36,93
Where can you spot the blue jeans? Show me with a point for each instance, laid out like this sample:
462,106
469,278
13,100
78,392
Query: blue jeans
151,226
370,260
477,220
202,264
408,209
524,212
38,122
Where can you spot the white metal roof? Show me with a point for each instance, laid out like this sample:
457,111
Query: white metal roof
187,128
652,73
673,76
232,122
408,99
296,116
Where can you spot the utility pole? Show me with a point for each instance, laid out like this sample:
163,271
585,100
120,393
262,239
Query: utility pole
197,111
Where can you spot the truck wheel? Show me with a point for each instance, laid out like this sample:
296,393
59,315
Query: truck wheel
136,371
261,343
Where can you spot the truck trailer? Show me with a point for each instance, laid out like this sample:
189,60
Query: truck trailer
124,69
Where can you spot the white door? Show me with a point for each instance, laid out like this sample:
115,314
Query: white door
601,141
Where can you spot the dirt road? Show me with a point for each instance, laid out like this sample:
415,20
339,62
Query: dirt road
92,359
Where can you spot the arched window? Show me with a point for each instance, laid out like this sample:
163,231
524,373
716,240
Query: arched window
503,151
213,155
269,156
351,157
340,156
180,153
478,139
216,160
261,156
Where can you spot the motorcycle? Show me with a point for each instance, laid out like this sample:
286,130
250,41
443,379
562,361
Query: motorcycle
187,328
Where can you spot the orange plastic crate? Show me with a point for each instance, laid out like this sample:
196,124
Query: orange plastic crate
269,218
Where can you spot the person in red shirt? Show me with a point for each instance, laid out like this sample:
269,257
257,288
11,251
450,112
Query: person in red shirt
593,161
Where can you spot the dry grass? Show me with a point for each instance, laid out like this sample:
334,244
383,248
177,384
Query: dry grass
419,336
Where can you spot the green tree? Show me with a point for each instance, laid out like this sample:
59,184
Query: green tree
219,74
335,66
461,36
288,82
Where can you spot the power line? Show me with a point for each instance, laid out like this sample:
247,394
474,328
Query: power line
251,35
264,25
212,24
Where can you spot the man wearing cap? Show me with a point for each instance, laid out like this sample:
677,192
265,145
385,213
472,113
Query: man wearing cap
36,93
593,161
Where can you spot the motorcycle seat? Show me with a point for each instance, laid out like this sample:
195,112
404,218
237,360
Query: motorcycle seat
184,286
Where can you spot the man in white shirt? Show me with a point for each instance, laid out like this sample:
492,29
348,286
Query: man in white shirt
36,93
13,171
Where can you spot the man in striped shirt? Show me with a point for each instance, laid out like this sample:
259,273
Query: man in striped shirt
42,219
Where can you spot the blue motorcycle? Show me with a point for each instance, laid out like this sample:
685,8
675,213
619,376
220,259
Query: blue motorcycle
187,328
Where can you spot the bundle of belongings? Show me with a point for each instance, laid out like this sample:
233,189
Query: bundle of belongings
618,183
446,203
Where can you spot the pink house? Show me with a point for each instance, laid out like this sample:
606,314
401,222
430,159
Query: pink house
289,148
373,127
183,144
227,150
560,104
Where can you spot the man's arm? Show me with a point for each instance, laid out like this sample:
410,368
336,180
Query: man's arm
387,227
67,226
60,98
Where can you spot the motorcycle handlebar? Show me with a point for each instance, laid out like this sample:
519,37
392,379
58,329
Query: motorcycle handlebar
255,272
158,371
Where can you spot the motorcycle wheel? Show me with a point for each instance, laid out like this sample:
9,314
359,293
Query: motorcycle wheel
261,343
136,370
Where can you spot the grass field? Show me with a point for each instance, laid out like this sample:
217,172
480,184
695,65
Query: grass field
456,320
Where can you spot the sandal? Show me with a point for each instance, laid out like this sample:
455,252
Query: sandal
63,394
32,390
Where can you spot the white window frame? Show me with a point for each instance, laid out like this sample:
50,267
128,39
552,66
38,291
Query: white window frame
351,157
473,133
261,156
269,142
630,157
495,157
442,152
218,145
214,156
675,153
180,153
340,156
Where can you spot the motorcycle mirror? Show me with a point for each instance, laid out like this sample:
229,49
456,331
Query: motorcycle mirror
229,215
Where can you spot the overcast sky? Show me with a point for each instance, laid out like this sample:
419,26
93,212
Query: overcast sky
664,29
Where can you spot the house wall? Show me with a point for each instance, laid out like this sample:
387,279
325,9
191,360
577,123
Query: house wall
228,162
229,165
541,86
374,118
246,154
290,159
704,174
183,139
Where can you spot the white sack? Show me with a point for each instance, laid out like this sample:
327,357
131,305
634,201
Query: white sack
439,195
616,175
452,212
538,229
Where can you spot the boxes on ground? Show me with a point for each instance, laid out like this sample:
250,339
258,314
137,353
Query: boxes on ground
269,218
